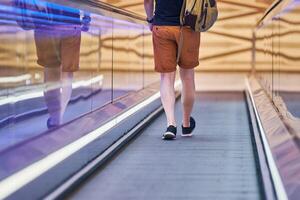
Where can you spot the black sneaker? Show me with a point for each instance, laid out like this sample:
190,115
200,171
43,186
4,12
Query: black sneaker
50,125
187,131
170,133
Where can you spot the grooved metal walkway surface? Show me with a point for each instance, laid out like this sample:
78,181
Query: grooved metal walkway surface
218,162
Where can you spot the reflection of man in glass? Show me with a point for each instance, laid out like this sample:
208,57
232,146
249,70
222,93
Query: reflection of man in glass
57,38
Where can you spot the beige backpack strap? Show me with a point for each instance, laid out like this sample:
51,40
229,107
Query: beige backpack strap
182,13
180,44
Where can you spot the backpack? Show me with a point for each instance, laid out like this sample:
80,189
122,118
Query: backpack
200,15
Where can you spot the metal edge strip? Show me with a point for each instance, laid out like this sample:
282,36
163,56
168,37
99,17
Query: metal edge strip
24,176
104,6
268,11
266,179
103,158
84,173
277,182
16,181
276,8
21,178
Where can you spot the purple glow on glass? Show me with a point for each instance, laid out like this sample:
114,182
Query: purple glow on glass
100,21
290,7
36,15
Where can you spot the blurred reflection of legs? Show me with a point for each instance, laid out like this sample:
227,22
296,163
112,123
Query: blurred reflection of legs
58,52
168,96
67,78
188,94
52,95
57,93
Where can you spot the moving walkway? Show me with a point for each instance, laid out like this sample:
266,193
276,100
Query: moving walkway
243,146
218,162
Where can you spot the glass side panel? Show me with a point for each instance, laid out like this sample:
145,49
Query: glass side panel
278,63
59,63
149,75
289,65
127,58
100,65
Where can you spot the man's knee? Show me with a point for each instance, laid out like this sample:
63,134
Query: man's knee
52,74
187,75
168,76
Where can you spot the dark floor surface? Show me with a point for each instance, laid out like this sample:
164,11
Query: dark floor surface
292,100
218,162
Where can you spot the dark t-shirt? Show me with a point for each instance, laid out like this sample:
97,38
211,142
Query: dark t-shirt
167,12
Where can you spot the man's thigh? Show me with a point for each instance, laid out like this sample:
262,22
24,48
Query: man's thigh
165,49
189,57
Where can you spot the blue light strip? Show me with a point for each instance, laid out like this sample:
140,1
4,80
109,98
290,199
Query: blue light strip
13,14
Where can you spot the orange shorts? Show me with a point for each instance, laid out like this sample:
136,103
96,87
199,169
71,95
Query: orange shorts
165,44
59,47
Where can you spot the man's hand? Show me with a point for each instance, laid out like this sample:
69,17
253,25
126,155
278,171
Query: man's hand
150,23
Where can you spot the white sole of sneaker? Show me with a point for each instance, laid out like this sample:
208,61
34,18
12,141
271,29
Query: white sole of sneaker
169,136
187,135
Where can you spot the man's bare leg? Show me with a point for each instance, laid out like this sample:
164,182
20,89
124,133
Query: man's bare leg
167,92
188,94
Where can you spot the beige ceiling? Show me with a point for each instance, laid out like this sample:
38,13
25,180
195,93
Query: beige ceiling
227,46
137,5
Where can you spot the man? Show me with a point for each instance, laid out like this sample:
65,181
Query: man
164,23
